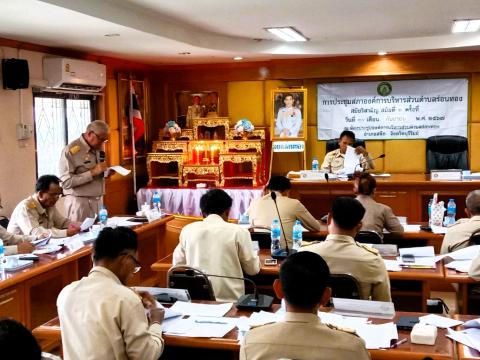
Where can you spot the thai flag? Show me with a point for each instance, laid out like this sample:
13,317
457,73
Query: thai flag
138,124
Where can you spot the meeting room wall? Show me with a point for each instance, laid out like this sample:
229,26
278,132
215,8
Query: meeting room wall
248,93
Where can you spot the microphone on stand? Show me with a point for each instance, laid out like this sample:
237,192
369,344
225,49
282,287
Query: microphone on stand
281,253
381,156
253,301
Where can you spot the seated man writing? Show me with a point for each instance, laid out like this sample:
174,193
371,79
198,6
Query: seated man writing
38,215
345,256
218,247
301,334
334,160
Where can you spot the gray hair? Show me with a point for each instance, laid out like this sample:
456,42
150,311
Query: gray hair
473,202
98,127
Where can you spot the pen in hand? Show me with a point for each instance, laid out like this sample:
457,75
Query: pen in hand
399,342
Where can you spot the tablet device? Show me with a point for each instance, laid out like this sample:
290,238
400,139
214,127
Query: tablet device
407,322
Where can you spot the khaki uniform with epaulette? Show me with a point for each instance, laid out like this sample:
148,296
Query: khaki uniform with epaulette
458,234
334,160
30,218
345,256
83,191
302,336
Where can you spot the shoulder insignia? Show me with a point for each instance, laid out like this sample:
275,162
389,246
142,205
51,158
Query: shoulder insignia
308,243
74,149
368,248
344,329
31,205
260,325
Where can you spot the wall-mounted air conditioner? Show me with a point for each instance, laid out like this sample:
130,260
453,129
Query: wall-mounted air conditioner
72,74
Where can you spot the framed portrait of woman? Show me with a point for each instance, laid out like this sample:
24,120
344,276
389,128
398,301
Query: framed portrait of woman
289,120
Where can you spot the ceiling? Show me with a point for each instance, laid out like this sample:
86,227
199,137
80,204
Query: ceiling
214,31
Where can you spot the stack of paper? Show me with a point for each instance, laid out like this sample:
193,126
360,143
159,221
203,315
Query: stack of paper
469,337
193,309
200,326
439,229
121,221
424,257
364,308
392,265
439,321
377,336
460,265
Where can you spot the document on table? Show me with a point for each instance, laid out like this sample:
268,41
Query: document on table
200,326
193,309
439,229
460,265
263,317
87,223
392,265
377,336
439,321
469,337
364,308
341,320
121,221
411,228
468,253
424,257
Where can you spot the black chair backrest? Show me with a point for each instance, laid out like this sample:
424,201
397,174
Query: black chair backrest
191,279
447,152
4,221
332,144
368,237
344,286
475,238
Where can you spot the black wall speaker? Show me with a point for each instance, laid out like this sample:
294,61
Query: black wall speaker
15,74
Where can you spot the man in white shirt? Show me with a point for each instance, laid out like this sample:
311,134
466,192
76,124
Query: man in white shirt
103,319
262,211
218,247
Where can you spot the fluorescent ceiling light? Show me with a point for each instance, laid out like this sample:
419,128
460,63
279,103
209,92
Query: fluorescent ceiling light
287,33
460,26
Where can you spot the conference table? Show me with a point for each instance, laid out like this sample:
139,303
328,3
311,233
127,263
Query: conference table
228,347
407,194
30,295
464,352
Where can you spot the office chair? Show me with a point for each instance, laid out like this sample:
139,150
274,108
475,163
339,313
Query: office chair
192,279
332,144
344,286
447,152
263,238
475,238
368,237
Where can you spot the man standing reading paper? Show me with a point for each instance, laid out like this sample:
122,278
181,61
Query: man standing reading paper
82,165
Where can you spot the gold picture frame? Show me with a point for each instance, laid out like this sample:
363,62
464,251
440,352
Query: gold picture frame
289,121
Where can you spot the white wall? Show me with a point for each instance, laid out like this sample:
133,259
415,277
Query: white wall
17,157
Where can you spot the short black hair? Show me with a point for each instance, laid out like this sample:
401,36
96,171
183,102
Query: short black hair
303,277
17,342
279,183
215,201
347,212
44,181
111,242
366,183
347,133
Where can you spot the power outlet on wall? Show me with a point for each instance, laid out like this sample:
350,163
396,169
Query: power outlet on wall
24,131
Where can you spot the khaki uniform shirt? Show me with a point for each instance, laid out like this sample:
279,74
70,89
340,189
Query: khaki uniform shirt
76,161
333,162
218,248
301,336
262,212
378,216
345,256
102,319
30,218
458,234
10,240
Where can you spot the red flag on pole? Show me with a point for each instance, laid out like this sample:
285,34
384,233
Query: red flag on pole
138,124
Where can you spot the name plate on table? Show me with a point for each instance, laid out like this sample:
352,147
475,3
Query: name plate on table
312,175
450,174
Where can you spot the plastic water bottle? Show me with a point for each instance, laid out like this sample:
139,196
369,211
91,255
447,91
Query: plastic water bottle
315,164
103,215
430,211
451,212
156,201
2,254
244,219
275,236
297,235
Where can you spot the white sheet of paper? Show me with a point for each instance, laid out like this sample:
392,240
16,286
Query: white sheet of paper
411,228
468,253
120,169
473,336
439,321
420,251
87,223
351,161
460,336
460,265
192,309
392,265
263,317
341,321
378,336
364,308
121,221
439,229
475,323
196,326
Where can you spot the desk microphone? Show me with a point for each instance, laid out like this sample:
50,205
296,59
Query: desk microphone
366,161
253,301
280,253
